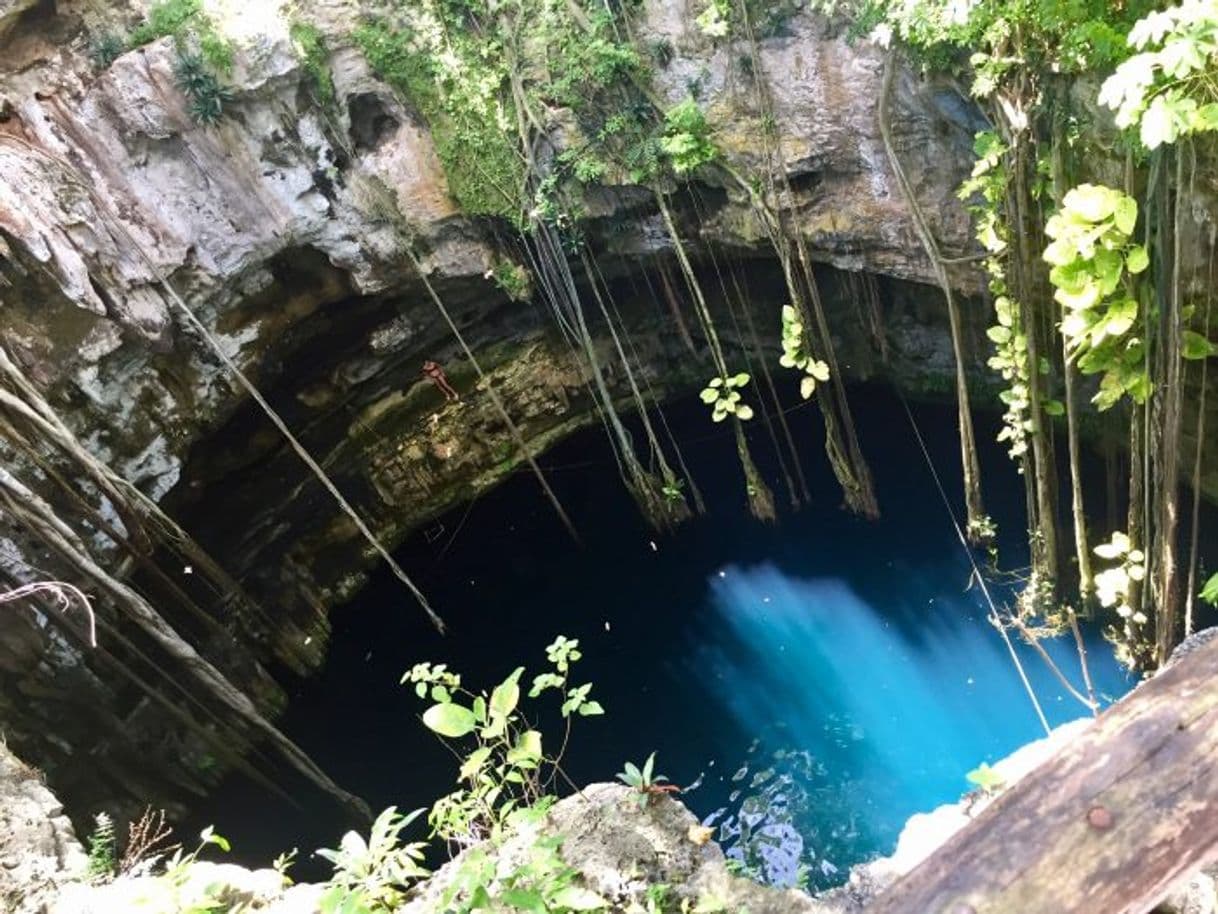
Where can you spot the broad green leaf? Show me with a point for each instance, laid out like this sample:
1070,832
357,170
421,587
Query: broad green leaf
1054,407
807,386
1209,593
819,369
1126,215
1197,346
740,379
999,334
744,412
1093,202
1137,259
506,695
710,395
591,709
451,720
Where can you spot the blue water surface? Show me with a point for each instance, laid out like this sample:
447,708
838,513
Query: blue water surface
811,683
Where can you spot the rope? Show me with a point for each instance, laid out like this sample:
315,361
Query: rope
994,615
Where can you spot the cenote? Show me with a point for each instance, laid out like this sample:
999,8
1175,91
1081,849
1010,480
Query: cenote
810,683
318,317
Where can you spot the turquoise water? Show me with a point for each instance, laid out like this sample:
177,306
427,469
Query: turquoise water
892,706
811,684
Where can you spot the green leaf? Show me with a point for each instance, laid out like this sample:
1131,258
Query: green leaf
986,778
1197,346
451,720
1093,202
209,836
527,749
474,762
709,395
524,900
999,334
744,412
1054,407
506,695
819,369
1137,259
807,386
577,898
1209,593
740,379
591,709
1126,215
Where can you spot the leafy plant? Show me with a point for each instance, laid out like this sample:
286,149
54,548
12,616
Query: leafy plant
102,850
1209,591
1167,90
1114,589
456,81
674,491
795,355
542,884
724,397
310,45
1091,255
714,21
986,778
507,770
649,785
984,193
371,876
686,138
513,280
106,49
191,29
204,92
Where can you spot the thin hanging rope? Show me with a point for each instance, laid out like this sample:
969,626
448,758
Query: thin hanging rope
980,578
494,395
299,448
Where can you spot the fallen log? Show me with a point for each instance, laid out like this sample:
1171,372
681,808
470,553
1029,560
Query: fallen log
1106,826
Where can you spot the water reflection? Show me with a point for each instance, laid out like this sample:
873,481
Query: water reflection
865,714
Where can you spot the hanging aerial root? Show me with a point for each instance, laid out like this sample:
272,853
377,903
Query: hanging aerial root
34,514
102,206
517,437
761,499
65,596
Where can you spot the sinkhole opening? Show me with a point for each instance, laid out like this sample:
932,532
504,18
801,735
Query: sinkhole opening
811,684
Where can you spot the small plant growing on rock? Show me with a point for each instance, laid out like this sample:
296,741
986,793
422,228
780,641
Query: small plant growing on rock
986,779
106,49
649,785
371,876
508,769
204,92
102,860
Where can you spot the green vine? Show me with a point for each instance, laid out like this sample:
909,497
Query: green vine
1092,260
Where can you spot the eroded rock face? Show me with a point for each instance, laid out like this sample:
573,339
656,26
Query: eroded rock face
38,850
283,229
